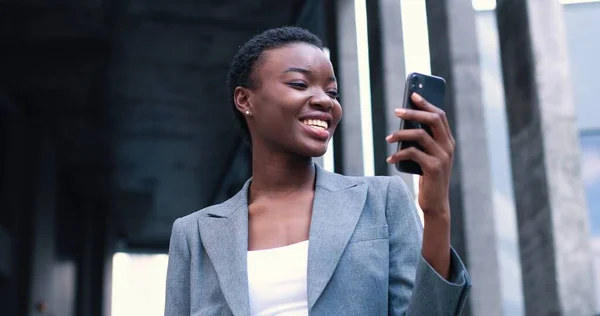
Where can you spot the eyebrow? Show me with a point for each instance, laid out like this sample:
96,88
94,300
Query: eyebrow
307,73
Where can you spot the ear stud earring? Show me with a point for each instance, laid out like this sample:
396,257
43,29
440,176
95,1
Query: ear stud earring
247,112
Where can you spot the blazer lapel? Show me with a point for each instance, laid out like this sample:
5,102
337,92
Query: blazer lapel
224,232
337,206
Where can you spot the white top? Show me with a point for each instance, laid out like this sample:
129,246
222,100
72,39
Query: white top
277,280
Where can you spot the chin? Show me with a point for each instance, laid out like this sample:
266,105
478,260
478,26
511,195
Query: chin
314,150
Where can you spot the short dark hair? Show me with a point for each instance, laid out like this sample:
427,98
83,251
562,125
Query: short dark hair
247,60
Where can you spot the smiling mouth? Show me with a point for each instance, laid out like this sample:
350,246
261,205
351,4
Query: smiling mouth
316,124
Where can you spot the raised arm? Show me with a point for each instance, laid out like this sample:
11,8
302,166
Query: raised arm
415,287
441,282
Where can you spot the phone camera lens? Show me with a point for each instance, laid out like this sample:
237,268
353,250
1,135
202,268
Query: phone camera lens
416,83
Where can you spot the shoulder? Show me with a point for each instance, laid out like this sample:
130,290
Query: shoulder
334,181
386,185
389,197
388,193
394,191
384,182
223,209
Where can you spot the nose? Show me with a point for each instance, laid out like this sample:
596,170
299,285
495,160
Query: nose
322,100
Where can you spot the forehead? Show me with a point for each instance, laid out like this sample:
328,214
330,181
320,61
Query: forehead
296,55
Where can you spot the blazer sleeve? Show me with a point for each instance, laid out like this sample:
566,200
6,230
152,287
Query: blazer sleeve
415,288
177,301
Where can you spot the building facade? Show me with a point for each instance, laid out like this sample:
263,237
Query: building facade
109,111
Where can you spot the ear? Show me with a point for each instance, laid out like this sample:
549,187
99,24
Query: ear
241,97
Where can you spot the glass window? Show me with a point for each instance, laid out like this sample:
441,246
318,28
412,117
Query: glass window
590,170
590,143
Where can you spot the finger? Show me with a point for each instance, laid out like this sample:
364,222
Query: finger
419,135
425,105
433,120
429,164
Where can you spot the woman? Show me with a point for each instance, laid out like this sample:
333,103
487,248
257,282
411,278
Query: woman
298,240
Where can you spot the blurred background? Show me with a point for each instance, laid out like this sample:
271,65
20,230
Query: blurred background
114,122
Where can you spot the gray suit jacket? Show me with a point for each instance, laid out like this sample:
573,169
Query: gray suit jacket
364,256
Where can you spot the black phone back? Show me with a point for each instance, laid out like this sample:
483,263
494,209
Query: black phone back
433,89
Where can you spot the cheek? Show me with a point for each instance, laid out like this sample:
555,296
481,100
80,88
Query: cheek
266,106
283,105
278,98
274,111
337,113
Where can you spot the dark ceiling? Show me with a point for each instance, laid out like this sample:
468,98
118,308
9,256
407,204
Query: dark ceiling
133,95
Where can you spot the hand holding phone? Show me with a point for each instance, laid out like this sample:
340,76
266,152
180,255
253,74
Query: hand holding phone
432,90
426,145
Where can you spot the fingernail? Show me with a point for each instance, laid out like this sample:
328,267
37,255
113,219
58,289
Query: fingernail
388,137
389,160
416,97
400,111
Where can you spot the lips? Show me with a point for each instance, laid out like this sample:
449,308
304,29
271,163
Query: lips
317,124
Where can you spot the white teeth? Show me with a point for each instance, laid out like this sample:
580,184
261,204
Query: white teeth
316,123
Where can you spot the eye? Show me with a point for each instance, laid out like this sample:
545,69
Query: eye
298,85
333,93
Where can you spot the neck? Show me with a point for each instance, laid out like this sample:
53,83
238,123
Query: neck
280,173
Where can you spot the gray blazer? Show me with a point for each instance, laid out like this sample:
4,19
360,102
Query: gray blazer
364,256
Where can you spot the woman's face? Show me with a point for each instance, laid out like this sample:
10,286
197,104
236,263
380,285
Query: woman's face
294,105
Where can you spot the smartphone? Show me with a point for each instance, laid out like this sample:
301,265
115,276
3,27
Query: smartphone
433,89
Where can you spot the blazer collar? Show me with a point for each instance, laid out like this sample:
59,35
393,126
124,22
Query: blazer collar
337,206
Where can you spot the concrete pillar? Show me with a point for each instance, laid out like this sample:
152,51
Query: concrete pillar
6,220
94,254
454,56
355,156
312,17
388,74
44,229
19,149
6,251
552,218
505,213
107,269
53,272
